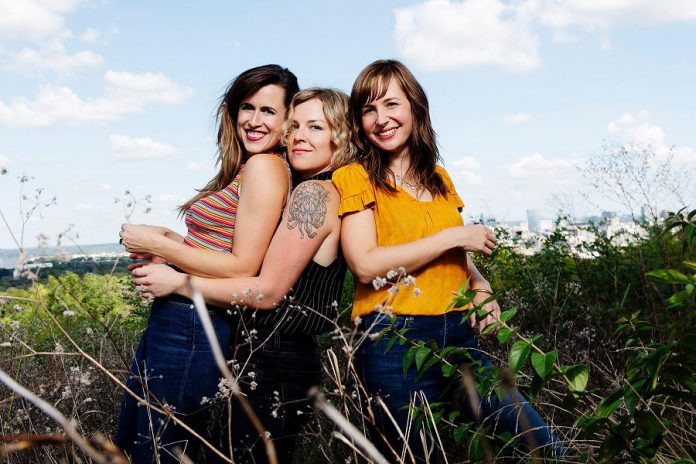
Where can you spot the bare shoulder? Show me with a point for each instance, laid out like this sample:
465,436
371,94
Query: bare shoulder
313,206
264,161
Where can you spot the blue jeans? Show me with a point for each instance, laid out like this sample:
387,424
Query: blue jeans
173,365
382,374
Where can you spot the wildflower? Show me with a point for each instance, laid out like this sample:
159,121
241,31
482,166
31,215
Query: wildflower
334,304
274,413
59,348
299,413
416,292
391,274
252,375
393,290
408,280
379,282
357,320
401,269
5,345
14,325
253,385
17,308
89,331
68,313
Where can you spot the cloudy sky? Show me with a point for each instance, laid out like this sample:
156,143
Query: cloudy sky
99,97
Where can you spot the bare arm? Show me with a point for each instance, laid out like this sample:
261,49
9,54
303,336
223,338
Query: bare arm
308,221
261,201
484,291
367,260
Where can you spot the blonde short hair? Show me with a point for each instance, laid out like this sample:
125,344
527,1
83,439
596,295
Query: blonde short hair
335,106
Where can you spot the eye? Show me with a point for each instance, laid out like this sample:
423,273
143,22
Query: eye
246,107
392,103
293,127
367,110
315,127
268,110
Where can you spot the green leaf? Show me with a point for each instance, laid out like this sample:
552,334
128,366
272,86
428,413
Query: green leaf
390,343
543,363
669,276
506,315
421,354
609,404
408,358
519,352
577,376
490,328
690,265
504,335
459,433
448,370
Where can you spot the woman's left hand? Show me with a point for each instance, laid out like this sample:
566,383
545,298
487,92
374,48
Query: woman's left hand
492,308
153,280
141,238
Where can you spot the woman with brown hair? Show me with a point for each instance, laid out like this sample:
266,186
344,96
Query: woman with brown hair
295,296
230,225
399,209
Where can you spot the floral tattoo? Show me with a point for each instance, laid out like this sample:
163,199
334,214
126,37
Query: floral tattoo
308,208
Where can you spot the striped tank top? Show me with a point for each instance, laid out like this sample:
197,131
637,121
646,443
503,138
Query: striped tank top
210,221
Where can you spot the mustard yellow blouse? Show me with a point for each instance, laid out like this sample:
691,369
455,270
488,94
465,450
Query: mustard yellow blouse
400,218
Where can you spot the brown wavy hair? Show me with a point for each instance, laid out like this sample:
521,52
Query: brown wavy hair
370,85
335,107
230,150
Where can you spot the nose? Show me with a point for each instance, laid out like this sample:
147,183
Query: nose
382,118
255,119
298,135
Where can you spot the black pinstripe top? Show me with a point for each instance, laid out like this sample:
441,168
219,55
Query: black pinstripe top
311,305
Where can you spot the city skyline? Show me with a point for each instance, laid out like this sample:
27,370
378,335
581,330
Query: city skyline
100,97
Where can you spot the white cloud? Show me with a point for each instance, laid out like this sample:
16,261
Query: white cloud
156,87
90,35
33,36
516,119
639,128
464,169
51,57
538,167
194,166
603,14
125,147
449,34
125,93
452,34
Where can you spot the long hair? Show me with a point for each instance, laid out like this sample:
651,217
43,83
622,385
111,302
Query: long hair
230,149
371,84
335,106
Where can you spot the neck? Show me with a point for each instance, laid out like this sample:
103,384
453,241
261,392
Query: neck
400,163
306,175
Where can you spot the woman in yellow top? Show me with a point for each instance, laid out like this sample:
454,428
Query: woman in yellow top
400,210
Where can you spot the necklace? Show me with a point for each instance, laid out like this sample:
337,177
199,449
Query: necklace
403,182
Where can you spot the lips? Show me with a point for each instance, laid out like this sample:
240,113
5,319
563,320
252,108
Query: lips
254,136
386,134
300,151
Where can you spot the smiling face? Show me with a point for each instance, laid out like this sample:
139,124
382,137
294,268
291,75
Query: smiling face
388,121
260,120
309,139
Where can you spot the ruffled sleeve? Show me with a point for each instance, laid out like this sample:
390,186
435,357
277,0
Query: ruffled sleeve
452,196
355,189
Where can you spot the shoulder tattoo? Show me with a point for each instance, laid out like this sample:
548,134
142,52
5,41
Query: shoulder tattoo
308,208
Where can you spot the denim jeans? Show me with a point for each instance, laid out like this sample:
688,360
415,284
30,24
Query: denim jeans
277,371
173,365
382,374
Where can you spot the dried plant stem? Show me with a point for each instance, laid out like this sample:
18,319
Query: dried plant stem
202,311
67,424
130,392
349,429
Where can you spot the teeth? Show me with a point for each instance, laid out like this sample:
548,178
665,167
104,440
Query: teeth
387,133
255,134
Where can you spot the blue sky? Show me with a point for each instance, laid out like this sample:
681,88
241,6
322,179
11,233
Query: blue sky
100,97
